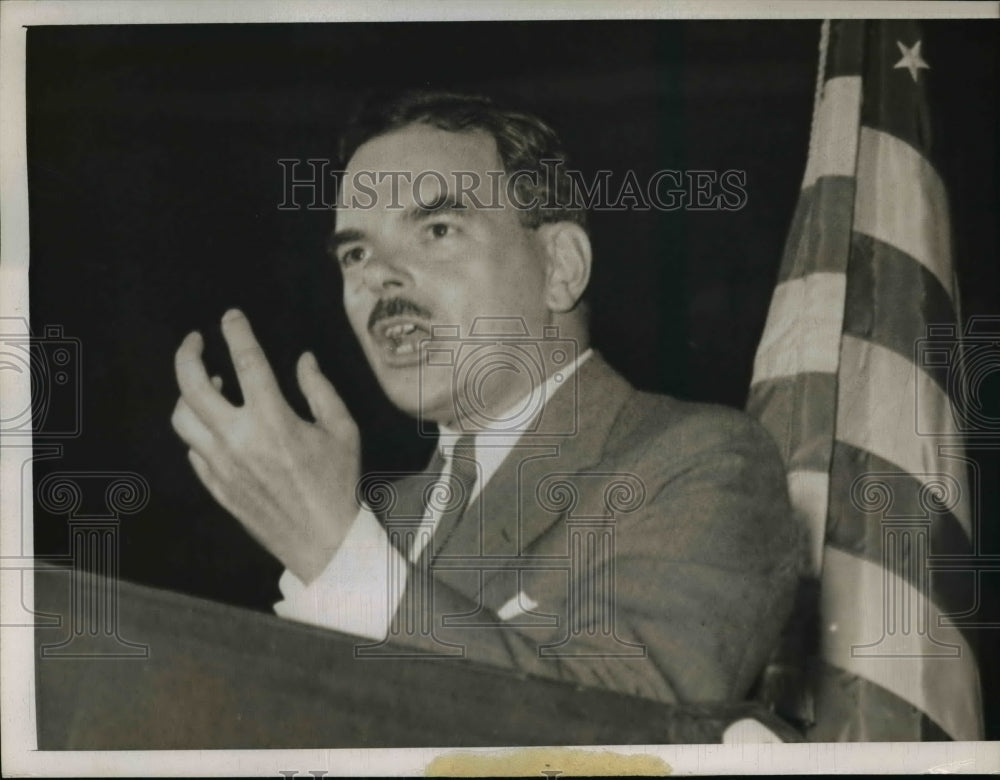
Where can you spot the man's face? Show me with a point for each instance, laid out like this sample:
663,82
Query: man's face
424,255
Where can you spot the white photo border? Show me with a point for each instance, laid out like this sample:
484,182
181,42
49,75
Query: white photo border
17,679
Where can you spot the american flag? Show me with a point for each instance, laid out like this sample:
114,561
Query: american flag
866,279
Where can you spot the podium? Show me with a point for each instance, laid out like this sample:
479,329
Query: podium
216,676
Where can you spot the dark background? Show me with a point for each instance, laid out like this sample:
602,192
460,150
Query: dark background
154,185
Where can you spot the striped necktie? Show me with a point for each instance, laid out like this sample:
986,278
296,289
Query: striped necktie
449,497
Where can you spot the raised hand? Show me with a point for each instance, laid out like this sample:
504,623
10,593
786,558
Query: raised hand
290,482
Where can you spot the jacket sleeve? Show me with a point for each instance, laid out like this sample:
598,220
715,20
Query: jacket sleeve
703,577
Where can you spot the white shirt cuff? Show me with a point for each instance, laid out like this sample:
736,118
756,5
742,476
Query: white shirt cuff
353,592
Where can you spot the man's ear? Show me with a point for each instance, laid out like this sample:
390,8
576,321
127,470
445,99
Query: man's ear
569,255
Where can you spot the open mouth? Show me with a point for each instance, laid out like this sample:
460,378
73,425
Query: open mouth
400,337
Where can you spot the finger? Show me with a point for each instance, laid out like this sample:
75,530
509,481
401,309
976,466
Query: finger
193,431
256,379
193,381
217,382
324,402
217,490
207,478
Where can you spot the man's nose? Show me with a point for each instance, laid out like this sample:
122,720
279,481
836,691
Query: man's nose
385,271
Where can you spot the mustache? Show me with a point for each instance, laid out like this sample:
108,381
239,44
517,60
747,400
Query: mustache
396,307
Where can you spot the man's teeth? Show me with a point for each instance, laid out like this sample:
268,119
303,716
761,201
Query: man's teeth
398,339
398,331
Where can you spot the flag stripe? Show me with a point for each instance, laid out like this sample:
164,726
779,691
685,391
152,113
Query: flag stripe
878,273
853,709
912,218
931,731
846,49
809,494
882,403
869,488
800,412
803,327
871,497
923,669
834,147
808,249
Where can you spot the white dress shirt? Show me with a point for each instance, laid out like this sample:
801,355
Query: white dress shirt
353,593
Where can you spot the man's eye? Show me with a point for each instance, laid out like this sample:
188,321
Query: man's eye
440,229
352,256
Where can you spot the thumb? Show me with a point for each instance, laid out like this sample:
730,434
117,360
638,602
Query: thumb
324,403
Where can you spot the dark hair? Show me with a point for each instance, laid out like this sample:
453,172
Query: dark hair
525,143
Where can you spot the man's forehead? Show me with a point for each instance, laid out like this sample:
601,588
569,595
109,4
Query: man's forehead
419,147
420,165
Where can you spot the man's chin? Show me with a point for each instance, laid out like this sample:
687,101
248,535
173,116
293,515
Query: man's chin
403,388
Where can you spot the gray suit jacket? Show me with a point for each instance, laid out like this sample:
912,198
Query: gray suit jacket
633,542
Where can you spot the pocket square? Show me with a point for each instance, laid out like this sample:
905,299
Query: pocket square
521,604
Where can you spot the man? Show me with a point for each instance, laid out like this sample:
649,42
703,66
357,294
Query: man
570,526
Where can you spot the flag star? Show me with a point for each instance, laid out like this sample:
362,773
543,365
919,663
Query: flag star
912,60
